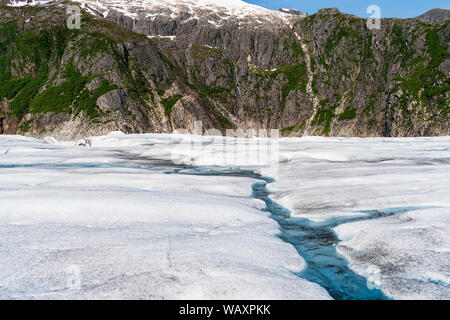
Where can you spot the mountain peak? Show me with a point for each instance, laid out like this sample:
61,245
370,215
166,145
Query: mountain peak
154,66
291,11
229,7
435,15
215,12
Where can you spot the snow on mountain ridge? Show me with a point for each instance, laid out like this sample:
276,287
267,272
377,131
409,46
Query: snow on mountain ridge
21,3
219,10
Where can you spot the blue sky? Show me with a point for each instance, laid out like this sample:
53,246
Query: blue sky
389,8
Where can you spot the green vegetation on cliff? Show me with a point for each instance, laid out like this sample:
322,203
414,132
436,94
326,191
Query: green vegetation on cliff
169,103
60,98
392,81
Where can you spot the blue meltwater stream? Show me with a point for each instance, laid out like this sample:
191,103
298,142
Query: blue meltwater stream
315,242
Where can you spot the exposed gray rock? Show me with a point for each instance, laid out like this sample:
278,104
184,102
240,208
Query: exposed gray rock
435,15
325,74
115,99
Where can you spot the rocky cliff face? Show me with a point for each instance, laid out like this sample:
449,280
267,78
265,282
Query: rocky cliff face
148,66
